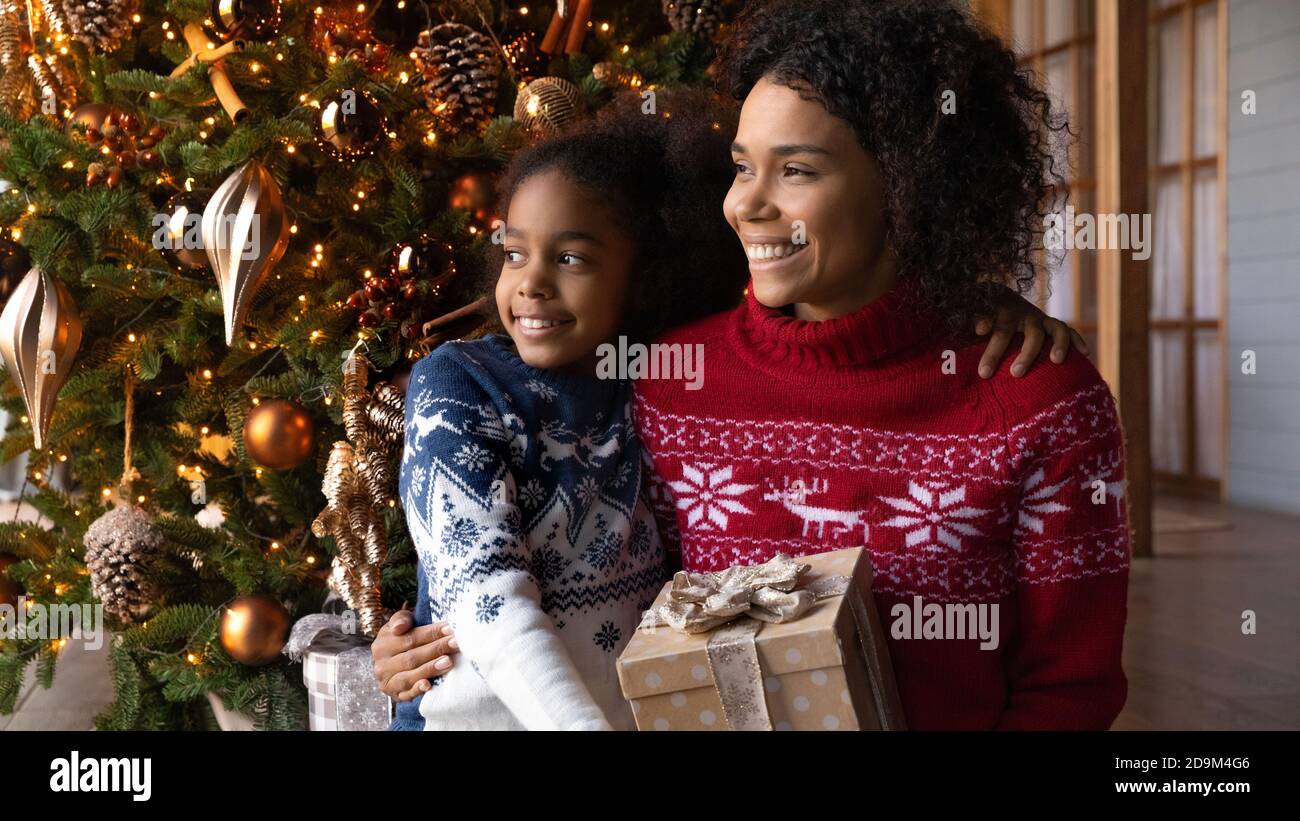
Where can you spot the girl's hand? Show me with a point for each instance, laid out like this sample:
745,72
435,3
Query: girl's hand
406,658
1015,313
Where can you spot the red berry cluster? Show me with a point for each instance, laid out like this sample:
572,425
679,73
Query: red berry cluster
129,145
416,280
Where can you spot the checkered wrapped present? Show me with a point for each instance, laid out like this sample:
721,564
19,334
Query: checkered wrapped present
338,671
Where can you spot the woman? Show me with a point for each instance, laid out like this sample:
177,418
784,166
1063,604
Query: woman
842,403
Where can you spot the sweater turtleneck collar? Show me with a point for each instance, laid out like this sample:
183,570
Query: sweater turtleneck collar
874,333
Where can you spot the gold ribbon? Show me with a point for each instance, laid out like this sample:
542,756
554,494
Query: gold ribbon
770,592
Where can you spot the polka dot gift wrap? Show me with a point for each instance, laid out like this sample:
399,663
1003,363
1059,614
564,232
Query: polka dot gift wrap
828,669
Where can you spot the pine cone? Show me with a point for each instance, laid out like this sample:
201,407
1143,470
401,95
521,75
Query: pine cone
699,17
460,67
122,547
100,24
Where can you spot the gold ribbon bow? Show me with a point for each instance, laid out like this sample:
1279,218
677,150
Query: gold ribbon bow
771,592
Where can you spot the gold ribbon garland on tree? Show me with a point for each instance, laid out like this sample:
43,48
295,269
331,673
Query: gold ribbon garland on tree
360,483
29,29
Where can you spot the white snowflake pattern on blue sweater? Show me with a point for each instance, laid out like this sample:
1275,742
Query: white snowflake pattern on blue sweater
522,491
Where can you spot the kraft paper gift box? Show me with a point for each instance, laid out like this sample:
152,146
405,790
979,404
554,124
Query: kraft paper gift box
824,666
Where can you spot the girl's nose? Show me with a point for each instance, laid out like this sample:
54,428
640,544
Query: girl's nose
535,284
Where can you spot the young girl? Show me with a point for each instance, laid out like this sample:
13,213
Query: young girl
521,478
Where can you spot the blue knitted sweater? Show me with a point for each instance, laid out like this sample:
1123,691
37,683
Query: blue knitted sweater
522,491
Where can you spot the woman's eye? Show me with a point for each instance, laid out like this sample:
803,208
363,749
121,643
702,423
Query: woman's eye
791,171
741,168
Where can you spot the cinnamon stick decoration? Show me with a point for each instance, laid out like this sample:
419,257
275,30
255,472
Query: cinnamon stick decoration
556,31
578,29
200,53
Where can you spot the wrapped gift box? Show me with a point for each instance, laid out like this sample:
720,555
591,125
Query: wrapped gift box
338,671
827,668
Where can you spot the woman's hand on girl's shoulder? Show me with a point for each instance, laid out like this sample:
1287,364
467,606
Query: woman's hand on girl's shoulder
1018,315
406,657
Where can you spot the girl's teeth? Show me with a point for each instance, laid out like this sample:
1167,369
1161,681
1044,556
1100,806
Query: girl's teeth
772,251
529,322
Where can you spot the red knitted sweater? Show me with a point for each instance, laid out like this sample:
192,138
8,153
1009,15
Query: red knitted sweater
875,428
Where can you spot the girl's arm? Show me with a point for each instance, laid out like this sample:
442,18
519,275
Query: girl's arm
459,496
1018,315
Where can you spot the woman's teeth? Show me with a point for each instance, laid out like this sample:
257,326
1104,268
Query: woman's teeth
529,322
772,251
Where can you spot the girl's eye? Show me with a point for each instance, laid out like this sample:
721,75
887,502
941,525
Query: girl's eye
569,258
513,255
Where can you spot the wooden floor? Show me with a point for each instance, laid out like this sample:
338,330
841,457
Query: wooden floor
1188,664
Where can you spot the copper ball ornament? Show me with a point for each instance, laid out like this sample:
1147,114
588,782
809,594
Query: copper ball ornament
279,434
423,259
15,262
10,590
183,233
246,19
472,192
343,31
350,123
91,115
254,630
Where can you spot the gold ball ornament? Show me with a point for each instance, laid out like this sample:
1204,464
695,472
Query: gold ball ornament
245,233
254,630
40,332
548,104
279,434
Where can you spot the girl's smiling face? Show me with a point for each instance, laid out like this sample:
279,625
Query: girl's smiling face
564,282
801,173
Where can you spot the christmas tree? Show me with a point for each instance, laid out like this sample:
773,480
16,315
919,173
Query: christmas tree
224,228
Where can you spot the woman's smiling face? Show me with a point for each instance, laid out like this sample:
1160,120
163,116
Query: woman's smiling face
802,174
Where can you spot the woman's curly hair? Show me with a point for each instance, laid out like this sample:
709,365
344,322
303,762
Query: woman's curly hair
664,176
966,192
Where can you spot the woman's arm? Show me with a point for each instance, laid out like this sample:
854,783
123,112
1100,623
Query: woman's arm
459,497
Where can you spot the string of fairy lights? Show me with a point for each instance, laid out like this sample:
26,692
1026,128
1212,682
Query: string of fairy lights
251,71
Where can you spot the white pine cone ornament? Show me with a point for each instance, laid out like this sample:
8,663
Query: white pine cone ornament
100,24
698,17
460,68
122,547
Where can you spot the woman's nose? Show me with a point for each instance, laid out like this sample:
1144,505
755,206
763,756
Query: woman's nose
754,202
